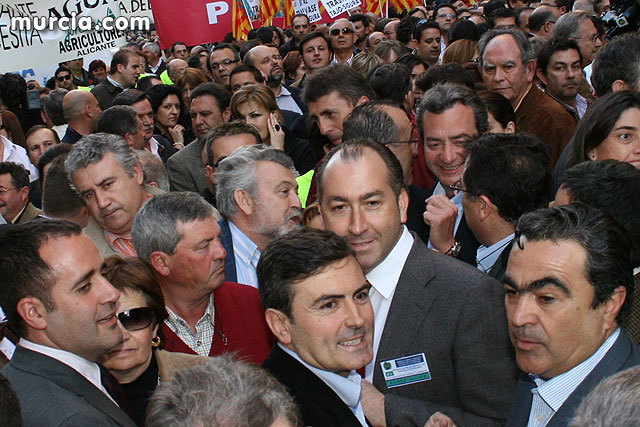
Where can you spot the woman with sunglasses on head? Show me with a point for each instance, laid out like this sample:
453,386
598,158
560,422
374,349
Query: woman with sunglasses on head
137,362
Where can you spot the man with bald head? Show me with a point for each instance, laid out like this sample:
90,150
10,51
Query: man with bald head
268,60
343,39
81,111
175,68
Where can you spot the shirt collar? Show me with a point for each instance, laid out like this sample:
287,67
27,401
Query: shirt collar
113,82
384,277
456,200
284,91
556,390
486,257
8,147
348,389
176,321
243,246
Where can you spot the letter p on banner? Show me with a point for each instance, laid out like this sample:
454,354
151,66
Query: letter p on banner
216,9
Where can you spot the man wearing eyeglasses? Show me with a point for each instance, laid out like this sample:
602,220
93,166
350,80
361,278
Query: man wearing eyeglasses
64,78
343,40
445,15
222,61
267,59
63,309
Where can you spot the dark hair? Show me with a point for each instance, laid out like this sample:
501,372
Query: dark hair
355,150
216,90
62,68
118,120
130,97
499,107
613,187
552,46
443,5
299,15
49,155
386,47
244,68
290,64
464,30
423,25
145,83
447,73
369,121
24,273
53,106
608,263
228,129
135,274
173,46
313,35
391,81
406,28
158,93
19,175
220,46
265,35
512,170
59,200
411,60
598,122
292,258
618,59
13,127
95,64
382,22
33,129
121,57
539,18
493,5
13,92
341,79
501,12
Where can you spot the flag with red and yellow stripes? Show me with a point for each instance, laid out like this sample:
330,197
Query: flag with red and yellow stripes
374,6
268,9
401,5
241,22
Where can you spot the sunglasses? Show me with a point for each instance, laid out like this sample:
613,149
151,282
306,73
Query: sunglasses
336,31
136,318
63,78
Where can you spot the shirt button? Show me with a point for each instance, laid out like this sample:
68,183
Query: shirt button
199,342
539,417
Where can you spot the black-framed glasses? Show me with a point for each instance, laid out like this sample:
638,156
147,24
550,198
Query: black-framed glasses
336,31
458,189
63,78
411,141
224,63
136,318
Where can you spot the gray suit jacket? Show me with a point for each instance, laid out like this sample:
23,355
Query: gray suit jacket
185,169
455,315
54,394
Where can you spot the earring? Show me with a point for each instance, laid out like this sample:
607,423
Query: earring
155,342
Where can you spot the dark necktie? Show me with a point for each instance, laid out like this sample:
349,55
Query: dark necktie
114,389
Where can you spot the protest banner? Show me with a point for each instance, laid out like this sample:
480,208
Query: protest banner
46,32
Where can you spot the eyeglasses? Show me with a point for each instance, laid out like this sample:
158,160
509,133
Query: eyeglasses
457,189
591,39
6,190
137,318
336,31
447,15
63,78
411,141
224,63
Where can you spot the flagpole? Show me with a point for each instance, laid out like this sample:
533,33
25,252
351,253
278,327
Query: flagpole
386,9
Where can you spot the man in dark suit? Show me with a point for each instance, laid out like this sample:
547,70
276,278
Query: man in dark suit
64,311
317,305
493,202
450,115
566,294
440,340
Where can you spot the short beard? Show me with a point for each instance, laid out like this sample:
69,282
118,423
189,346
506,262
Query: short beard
274,81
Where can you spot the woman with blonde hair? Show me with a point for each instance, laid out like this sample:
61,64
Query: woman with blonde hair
256,104
460,52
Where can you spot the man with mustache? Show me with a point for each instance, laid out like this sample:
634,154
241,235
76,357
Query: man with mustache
567,290
177,234
256,193
268,60
560,71
107,175
317,305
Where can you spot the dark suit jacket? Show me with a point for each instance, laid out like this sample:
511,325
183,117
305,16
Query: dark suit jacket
415,219
319,405
455,315
624,354
54,394
71,136
105,93
226,239
499,269
296,94
185,169
165,148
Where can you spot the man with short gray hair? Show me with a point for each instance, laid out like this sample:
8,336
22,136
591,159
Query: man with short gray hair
105,171
155,62
177,234
257,195
508,66
343,39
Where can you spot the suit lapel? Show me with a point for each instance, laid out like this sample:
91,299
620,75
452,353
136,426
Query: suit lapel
227,243
500,267
69,379
522,400
410,305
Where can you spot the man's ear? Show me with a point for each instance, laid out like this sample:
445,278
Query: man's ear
279,324
226,114
137,173
619,85
541,76
403,204
363,99
530,70
613,306
160,263
32,312
486,207
24,193
128,136
243,201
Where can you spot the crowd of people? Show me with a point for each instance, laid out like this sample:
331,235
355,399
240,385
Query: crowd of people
422,220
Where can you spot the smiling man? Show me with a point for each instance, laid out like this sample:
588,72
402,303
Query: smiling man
317,305
106,173
256,193
56,299
567,290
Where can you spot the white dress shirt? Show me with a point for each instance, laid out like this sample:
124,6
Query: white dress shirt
384,279
16,154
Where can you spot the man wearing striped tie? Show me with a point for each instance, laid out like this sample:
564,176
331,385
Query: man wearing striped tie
106,173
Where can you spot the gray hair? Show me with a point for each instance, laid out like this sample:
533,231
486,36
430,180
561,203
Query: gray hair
444,96
614,402
526,51
353,27
92,148
568,25
153,47
221,393
153,170
53,106
238,172
156,226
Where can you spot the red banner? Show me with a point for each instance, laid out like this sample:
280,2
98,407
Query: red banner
192,21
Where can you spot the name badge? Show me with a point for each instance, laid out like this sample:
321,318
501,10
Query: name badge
405,370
